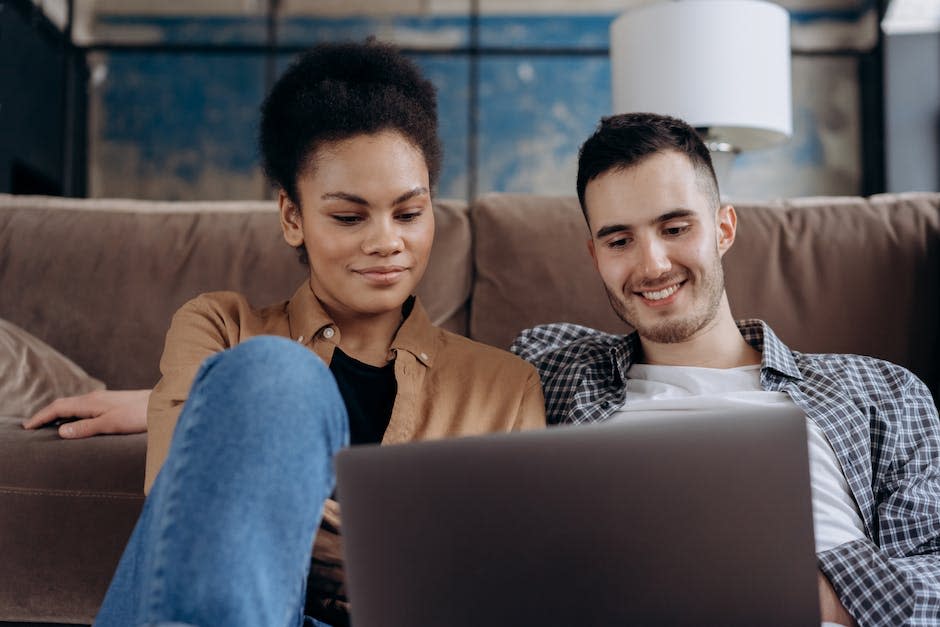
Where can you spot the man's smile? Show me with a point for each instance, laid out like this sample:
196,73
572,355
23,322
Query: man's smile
661,295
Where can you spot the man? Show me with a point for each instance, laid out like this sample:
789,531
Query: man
657,236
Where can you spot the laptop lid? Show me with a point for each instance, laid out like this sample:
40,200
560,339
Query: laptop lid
700,518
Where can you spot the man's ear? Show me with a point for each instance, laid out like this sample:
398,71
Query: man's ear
593,251
291,219
726,221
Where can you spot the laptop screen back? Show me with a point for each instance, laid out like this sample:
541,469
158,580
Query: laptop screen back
704,518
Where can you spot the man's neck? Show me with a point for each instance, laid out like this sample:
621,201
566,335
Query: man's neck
718,345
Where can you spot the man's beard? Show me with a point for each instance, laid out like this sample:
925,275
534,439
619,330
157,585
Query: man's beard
673,330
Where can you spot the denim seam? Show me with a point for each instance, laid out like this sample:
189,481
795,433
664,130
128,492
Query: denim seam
172,498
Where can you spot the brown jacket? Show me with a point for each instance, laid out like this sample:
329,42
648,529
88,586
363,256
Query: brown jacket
448,386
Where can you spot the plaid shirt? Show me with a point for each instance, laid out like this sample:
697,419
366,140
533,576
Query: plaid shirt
879,418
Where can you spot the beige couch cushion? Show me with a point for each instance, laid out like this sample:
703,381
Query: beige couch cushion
67,508
533,267
844,275
445,288
33,374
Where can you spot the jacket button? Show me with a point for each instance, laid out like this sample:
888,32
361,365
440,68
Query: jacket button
328,332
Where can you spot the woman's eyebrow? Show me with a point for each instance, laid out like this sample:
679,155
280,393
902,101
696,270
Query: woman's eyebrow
417,191
359,200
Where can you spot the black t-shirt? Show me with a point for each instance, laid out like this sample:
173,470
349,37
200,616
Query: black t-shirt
369,394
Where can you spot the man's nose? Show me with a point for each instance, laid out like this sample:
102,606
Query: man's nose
654,260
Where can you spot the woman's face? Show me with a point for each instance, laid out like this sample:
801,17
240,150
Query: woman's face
366,221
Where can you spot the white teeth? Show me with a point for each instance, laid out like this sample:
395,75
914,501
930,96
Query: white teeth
661,294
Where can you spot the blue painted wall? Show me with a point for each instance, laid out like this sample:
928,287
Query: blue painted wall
171,125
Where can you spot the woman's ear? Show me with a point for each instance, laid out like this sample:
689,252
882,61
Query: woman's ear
291,219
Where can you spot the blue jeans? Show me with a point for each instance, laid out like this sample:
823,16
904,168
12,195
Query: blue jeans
225,535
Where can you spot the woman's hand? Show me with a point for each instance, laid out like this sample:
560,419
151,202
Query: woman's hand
98,412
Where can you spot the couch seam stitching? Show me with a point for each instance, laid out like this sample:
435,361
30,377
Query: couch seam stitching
72,493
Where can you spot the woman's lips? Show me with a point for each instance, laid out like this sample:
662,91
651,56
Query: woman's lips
382,275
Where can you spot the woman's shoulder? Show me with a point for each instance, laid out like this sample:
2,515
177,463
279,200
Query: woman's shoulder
459,351
231,303
223,319
229,307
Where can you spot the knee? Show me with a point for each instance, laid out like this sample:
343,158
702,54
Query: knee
274,360
276,378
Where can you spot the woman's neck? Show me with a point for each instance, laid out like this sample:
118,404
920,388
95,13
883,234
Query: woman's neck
367,338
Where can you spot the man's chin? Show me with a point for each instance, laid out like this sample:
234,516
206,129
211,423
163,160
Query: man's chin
670,331
666,334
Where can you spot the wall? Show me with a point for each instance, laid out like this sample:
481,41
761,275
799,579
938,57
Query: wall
912,111
177,119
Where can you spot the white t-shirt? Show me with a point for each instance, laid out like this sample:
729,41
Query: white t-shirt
836,518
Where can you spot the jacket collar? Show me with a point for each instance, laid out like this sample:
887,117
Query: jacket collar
307,319
416,334
306,316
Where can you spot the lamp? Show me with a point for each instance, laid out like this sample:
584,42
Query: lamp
723,66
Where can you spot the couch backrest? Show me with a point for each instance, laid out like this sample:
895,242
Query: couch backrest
829,274
99,279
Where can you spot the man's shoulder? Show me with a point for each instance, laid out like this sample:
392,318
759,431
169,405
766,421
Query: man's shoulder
563,341
861,375
868,375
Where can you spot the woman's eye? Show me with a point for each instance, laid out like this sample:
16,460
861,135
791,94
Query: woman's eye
409,216
347,219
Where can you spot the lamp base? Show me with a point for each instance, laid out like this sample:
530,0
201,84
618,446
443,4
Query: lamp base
722,161
722,153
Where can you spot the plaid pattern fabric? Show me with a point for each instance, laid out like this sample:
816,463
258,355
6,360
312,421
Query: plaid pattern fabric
879,418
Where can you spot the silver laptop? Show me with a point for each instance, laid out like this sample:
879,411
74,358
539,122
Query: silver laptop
703,518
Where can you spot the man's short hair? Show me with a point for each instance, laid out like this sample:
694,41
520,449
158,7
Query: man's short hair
624,140
337,91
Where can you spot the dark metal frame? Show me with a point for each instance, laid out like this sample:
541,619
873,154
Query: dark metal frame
74,154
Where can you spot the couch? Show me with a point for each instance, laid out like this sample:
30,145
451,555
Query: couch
96,281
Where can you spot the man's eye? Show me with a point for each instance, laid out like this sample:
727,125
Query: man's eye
676,230
618,243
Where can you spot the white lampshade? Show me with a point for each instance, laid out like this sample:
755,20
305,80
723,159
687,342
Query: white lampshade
723,65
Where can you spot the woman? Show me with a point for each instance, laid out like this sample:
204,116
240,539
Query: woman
239,476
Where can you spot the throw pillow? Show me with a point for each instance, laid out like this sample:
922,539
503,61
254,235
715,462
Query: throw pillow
33,374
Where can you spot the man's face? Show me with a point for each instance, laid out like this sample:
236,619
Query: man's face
366,221
657,243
